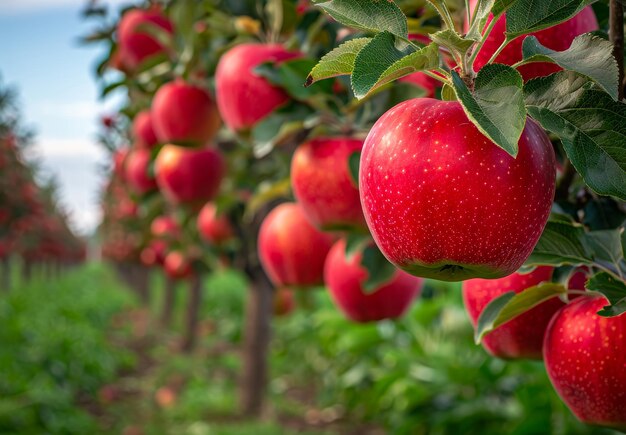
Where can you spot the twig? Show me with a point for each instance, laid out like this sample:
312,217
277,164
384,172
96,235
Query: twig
616,35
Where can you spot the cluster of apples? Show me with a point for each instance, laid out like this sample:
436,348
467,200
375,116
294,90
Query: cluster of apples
32,226
439,199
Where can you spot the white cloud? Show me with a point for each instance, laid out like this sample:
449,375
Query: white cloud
48,147
75,110
24,6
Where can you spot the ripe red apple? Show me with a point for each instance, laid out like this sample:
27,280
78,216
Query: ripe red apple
522,337
184,113
345,276
323,185
586,361
135,43
164,227
284,302
137,174
189,175
442,201
214,228
244,97
292,251
177,265
557,38
143,130
119,162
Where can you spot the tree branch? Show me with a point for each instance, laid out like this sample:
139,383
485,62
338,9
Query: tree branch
616,36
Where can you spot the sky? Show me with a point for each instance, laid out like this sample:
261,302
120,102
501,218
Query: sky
58,95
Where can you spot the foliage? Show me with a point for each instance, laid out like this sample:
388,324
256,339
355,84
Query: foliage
55,349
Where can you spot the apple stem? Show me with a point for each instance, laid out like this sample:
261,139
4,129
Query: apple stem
443,79
499,50
616,35
480,44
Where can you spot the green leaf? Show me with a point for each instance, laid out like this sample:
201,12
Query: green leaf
496,106
606,249
266,192
368,15
613,289
527,16
338,62
356,242
591,125
380,62
277,128
500,6
480,14
379,270
354,161
508,306
561,243
457,45
588,55
290,75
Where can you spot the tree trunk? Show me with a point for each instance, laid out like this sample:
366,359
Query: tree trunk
257,336
193,313
5,275
142,284
27,271
169,300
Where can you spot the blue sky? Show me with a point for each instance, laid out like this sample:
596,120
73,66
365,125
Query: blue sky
39,55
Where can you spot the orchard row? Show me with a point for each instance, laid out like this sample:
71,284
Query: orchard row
448,173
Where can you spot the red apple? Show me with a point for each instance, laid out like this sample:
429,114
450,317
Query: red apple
284,302
345,276
292,251
165,227
143,130
442,201
244,97
137,174
184,113
119,162
323,185
135,43
214,228
177,265
586,361
522,337
189,175
557,38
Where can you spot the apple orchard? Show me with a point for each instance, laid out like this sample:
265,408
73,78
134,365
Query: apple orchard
368,146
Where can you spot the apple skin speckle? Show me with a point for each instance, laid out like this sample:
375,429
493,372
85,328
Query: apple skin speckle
443,201
586,361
